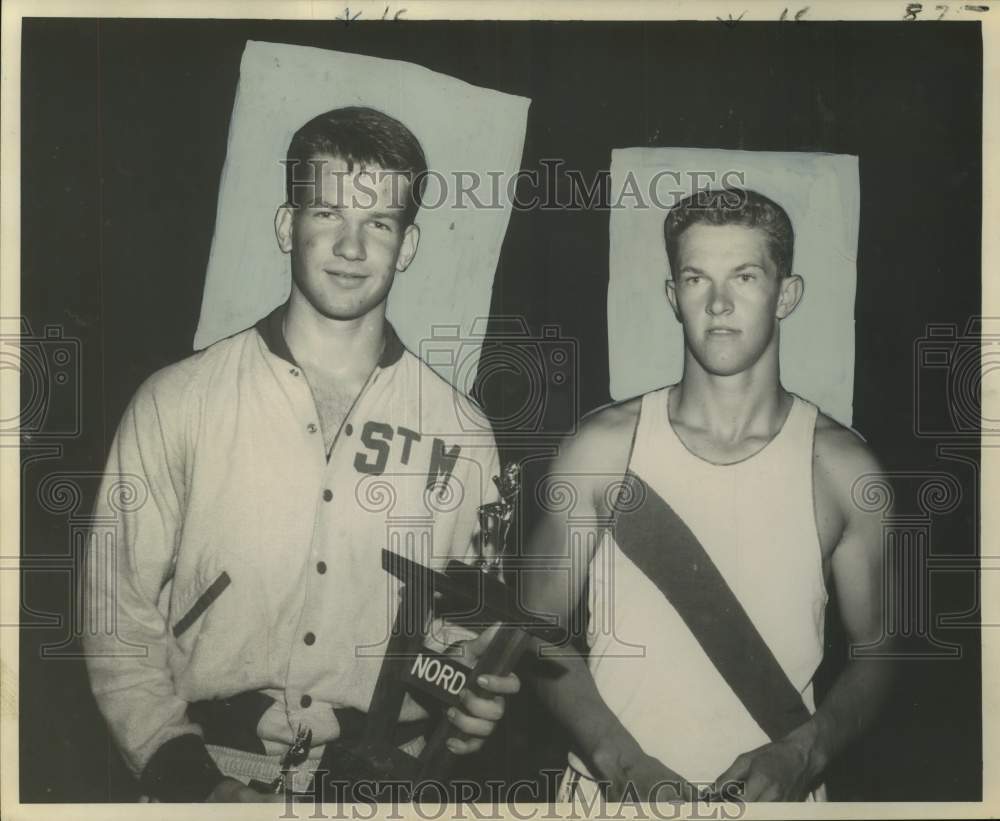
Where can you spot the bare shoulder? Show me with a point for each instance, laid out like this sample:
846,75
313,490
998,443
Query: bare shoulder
614,419
604,438
842,458
597,455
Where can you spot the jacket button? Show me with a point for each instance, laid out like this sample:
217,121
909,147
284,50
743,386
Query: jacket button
321,567
348,428
305,701
309,638
294,371
327,495
311,427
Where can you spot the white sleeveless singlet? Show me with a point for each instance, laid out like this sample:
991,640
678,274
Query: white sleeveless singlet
755,518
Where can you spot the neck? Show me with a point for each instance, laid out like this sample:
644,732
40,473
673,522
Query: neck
731,408
333,345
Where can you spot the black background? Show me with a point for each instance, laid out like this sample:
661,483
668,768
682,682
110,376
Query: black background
124,127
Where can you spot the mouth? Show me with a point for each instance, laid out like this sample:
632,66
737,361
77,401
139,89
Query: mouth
722,332
345,277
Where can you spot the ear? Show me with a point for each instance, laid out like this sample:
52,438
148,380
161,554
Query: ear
790,295
408,247
283,228
672,298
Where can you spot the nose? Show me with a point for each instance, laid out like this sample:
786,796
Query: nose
719,301
349,244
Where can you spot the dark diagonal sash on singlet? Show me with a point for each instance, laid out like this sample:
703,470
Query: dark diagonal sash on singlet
663,547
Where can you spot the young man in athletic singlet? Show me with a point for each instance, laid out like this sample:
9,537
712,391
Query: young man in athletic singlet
723,507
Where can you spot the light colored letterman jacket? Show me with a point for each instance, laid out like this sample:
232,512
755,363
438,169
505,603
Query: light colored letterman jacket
239,555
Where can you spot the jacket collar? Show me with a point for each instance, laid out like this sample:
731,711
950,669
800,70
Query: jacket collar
270,330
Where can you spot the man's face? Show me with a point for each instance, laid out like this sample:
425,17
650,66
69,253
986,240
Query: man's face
728,296
348,239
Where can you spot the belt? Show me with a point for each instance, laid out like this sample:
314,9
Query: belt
232,722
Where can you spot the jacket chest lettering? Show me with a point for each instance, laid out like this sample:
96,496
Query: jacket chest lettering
383,444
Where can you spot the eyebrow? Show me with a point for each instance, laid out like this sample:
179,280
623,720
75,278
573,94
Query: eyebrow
385,215
743,266
382,215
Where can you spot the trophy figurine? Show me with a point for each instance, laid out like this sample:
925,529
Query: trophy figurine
470,595
495,519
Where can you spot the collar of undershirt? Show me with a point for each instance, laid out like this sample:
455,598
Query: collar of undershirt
270,330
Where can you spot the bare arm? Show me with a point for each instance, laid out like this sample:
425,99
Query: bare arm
587,465
787,769
567,688
858,569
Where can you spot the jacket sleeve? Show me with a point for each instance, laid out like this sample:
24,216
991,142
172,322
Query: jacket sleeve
140,504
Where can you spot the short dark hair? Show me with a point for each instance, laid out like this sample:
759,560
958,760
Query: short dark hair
358,135
732,206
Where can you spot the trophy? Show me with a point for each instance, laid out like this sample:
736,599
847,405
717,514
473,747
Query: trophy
472,595
495,519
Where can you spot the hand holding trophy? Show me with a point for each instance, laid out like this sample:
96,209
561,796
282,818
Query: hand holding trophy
473,596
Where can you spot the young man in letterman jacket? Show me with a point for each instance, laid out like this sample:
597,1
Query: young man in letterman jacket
724,506
245,584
